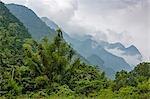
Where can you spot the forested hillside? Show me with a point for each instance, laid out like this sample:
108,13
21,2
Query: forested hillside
39,70
12,36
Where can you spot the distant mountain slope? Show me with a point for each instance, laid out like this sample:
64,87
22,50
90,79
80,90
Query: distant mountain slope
50,23
95,60
35,25
131,50
110,60
130,55
95,53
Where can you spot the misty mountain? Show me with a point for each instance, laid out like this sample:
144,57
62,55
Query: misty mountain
97,53
95,60
131,54
32,22
37,28
50,23
131,50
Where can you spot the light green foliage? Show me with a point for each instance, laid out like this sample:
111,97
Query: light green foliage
135,84
12,36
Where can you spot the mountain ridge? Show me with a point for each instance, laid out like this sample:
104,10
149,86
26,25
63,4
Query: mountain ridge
35,26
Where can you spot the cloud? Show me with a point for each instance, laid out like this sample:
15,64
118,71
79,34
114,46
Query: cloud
126,21
58,10
133,60
22,2
61,11
123,37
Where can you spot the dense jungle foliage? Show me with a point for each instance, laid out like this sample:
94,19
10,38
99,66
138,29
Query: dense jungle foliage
50,69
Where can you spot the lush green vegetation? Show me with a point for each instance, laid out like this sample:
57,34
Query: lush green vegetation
51,69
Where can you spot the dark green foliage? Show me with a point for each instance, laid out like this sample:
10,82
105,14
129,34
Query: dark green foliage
136,82
55,63
12,36
142,69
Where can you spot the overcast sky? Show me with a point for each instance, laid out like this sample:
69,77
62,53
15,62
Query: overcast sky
126,21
